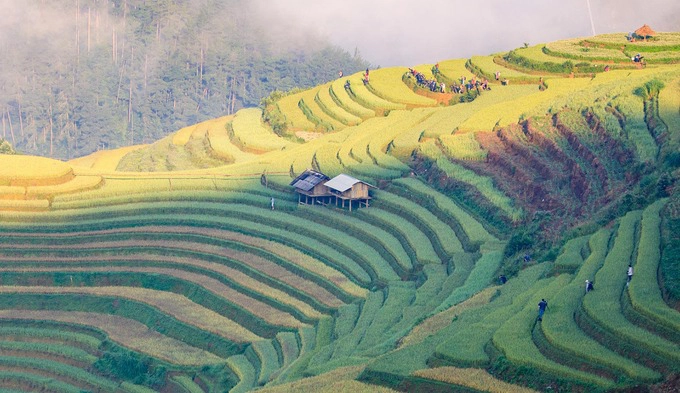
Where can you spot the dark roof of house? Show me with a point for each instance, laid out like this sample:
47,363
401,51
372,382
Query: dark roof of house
308,179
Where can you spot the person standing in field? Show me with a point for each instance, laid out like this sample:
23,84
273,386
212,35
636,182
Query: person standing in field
272,201
542,305
630,274
589,286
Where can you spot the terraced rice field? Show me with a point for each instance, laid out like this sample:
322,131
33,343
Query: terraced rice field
365,97
489,67
330,107
250,135
189,264
575,49
295,117
387,84
454,69
342,97
315,113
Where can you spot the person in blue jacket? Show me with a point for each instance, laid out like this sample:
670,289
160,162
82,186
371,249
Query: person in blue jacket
542,305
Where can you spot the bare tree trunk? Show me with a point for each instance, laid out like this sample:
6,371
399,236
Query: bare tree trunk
122,48
230,102
130,114
146,68
96,27
226,88
132,60
120,82
75,137
130,103
89,26
11,129
4,132
77,32
34,137
200,76
21,120
130,122
51,133
113,46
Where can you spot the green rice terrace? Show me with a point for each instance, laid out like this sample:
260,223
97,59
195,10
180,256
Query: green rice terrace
193,265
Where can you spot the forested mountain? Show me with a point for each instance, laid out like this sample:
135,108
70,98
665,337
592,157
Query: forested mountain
77,76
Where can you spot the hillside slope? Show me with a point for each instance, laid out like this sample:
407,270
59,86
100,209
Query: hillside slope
191,265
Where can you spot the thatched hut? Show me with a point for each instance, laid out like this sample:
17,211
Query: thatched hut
644,32
347,188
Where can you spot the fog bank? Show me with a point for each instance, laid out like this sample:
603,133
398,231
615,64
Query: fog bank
400,32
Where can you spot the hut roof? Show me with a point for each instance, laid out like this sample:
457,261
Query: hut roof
343,182
308,179
645,31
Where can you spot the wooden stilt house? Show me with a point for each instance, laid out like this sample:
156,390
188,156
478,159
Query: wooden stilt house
346,188
311,188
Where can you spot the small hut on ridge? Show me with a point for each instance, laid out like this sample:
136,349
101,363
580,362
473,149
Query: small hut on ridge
347,188
315,187
311,185
644,32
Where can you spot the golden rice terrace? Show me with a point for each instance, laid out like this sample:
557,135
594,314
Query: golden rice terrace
192,264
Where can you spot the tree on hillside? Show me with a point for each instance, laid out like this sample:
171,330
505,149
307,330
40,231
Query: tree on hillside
6,148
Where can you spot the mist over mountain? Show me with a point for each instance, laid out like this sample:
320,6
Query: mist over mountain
77,76
398,32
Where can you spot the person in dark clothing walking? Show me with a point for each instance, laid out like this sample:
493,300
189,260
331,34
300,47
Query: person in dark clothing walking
542,305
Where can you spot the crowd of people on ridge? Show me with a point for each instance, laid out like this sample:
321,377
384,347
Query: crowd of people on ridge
434,86
465,85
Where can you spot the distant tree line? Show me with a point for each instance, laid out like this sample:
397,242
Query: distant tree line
77,76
